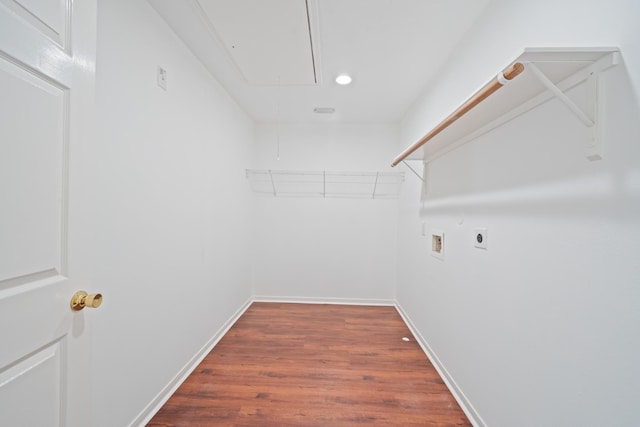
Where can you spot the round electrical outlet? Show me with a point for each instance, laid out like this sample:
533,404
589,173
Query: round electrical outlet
481,239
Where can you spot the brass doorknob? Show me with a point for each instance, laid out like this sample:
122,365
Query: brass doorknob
81,299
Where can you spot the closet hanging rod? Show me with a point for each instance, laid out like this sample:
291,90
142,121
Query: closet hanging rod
500,80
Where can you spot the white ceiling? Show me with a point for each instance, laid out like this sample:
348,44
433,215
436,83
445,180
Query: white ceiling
268,53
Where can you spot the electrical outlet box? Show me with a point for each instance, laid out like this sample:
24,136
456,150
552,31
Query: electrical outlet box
437,244
480,237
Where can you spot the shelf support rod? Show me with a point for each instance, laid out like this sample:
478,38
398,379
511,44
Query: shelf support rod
273,184
413,170
324,184
561,95
375,185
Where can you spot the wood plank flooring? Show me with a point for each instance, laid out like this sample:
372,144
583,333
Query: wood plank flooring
314,365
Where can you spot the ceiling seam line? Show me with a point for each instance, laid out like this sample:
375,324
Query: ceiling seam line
313,58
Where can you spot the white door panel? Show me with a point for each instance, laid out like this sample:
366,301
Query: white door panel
33,156
49,17
47,57
34,380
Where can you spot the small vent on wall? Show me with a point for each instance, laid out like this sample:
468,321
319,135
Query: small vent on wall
324,110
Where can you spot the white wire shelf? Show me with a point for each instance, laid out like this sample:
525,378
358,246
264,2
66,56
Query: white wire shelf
360,185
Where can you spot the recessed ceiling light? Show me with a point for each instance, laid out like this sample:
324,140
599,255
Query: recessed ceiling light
343,79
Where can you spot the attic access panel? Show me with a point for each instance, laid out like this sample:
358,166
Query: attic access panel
269,41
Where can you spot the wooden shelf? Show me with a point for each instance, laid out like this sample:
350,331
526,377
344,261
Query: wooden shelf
563,67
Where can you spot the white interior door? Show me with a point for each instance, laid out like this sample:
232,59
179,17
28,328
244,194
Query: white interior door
47,70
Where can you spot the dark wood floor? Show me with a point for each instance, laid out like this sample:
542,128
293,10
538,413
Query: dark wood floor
314,365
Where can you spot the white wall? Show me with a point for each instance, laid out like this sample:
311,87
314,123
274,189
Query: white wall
541,328
171,209
316,248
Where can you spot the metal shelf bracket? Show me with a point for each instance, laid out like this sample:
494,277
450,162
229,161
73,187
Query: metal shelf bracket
413,170
591,117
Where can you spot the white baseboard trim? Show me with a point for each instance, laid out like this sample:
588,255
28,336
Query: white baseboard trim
462,400
315,300
154,406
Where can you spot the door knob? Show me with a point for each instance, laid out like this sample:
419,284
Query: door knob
81,299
